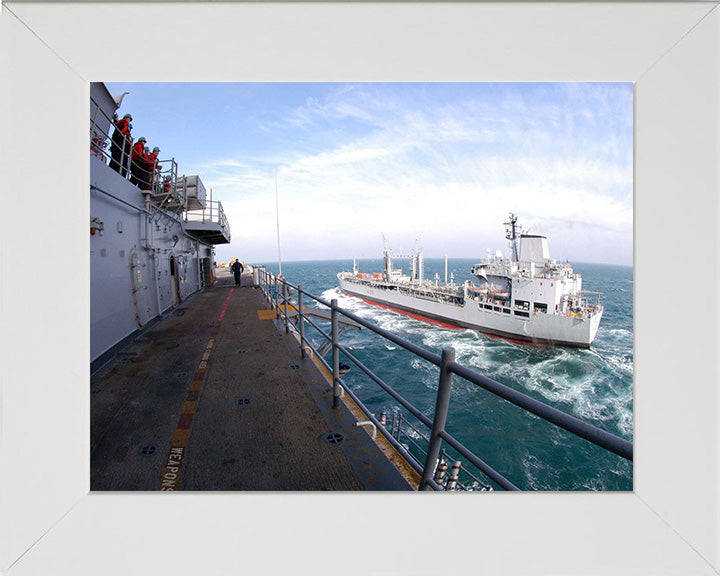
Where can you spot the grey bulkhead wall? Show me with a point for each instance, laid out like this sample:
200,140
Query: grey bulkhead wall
118,256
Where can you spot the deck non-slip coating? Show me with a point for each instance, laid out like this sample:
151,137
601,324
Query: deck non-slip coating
225,403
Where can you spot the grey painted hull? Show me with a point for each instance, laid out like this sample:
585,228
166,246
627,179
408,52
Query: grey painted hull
552,329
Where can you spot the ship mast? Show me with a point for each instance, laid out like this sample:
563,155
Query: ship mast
387,260
512,234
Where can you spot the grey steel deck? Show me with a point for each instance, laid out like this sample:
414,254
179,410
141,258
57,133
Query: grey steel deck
181,383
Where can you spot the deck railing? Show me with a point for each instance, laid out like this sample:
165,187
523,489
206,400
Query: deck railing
428,462
115,149
213,213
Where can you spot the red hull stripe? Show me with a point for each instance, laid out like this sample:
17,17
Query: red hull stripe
416,316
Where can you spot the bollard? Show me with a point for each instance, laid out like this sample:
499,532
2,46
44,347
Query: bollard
301,319
440,472
442,403
454,475
335,353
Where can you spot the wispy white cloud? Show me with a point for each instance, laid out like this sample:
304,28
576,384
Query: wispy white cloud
448,171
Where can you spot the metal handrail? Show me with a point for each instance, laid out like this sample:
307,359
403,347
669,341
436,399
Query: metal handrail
118,154
448,367
273,296
572,424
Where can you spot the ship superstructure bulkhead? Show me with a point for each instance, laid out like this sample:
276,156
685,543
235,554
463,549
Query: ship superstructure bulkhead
151,242
535,283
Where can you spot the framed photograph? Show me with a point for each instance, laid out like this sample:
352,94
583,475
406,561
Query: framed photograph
49,520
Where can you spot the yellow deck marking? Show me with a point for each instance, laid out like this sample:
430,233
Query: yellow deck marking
266,315
180,437
189,407
173,465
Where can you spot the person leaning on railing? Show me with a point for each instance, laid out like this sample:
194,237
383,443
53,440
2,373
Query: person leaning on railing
121,143
146,165
137,173
154,167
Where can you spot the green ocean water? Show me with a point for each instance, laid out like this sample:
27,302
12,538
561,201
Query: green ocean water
595,385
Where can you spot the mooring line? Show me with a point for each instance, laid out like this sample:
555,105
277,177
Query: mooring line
174,461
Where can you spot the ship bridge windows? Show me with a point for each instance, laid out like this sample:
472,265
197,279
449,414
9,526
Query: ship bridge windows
522,305
540,307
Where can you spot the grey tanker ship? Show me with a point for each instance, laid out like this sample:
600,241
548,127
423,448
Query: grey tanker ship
528,297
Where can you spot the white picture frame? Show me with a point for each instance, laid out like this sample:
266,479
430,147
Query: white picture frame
51,524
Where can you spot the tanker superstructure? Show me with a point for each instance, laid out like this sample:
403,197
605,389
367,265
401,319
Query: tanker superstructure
528,297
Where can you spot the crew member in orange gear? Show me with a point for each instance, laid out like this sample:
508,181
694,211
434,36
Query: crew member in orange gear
137,171
120,142
154,166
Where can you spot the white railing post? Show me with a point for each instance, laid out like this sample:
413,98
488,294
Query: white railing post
335,353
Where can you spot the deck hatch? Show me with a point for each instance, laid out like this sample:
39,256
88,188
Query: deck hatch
148,449
333,438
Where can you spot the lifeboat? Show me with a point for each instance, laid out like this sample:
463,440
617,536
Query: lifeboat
499,295
478,289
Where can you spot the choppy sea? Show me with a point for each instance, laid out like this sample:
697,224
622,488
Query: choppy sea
595,385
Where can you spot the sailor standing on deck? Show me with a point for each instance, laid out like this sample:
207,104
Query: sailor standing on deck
120,144
237,269
137,173
155,167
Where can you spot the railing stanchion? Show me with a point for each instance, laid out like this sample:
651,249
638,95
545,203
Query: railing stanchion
301,321
335,353
275,297
441,410
287,306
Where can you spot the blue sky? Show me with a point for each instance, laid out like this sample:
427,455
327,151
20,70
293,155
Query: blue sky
440,162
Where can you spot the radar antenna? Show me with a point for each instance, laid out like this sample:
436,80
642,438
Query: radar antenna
512,234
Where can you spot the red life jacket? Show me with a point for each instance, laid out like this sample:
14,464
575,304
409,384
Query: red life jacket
152,159
138,150
124,126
